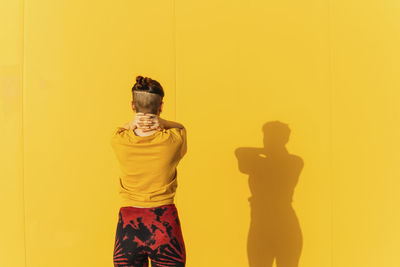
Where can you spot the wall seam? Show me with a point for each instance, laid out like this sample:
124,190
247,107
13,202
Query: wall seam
23,131
174,45
331,107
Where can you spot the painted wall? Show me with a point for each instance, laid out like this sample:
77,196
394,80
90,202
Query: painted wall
291,108
12,222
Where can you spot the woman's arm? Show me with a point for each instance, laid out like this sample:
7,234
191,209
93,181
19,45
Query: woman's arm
162,123
166,124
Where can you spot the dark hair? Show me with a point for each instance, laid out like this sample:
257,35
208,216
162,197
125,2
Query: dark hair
144,102
149,85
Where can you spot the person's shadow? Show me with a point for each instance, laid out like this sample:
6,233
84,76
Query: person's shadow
273,174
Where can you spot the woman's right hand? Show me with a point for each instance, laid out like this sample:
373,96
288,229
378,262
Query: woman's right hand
148,122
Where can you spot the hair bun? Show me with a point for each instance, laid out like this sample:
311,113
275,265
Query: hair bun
147,84
143,82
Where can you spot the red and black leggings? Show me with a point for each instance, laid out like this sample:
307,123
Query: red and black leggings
153,233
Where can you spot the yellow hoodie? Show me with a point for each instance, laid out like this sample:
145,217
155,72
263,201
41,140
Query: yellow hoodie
148,165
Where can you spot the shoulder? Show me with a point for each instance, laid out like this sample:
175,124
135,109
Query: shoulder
120,129
119,132
181,132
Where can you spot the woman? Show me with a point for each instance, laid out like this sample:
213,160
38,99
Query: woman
148,150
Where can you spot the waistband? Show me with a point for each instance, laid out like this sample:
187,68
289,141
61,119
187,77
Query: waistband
148,208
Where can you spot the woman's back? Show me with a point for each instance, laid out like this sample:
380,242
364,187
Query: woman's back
148,165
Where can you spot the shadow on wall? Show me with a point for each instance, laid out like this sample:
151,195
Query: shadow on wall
273,174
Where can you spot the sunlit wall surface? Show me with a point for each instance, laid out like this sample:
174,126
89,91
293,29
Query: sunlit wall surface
292,116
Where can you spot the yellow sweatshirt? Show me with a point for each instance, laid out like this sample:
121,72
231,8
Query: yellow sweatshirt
148,165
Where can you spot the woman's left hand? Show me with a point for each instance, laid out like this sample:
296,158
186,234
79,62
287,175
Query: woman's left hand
144,122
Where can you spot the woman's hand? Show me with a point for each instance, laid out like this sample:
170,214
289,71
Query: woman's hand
146,122
149,122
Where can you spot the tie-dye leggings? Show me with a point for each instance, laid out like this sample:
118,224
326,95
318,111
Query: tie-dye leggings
153,233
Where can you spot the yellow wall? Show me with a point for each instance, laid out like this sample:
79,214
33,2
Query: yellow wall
12,232
235,73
